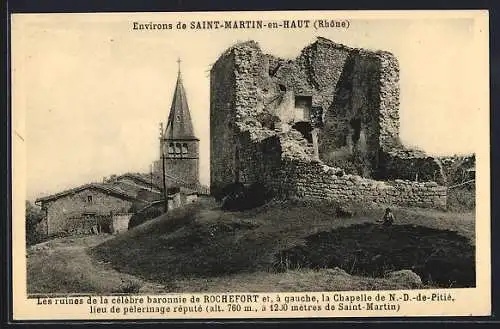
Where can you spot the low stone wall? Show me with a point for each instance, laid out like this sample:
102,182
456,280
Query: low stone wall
302,177
315,180
81,224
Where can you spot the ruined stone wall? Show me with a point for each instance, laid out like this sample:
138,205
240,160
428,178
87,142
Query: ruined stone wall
258,160
222,121
252,111
267,163
354,118
344,84
314,180
240,95
316,72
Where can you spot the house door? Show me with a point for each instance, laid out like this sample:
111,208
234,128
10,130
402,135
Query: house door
90,224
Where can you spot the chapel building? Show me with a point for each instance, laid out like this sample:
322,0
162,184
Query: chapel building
179,146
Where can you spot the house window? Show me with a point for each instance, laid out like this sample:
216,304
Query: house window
89,198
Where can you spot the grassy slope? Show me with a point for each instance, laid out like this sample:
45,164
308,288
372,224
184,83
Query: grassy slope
202,248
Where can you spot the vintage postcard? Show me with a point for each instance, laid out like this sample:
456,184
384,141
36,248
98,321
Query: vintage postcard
224,165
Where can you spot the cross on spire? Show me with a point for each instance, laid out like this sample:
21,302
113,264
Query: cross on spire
179,65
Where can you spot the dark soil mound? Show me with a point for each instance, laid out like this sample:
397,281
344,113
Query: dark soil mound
147,213
440,257
238,197
201,240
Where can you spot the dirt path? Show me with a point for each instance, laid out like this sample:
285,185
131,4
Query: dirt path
63,266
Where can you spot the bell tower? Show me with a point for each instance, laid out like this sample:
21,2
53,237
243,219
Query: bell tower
178,143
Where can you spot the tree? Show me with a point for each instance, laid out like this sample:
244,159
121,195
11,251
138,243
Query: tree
34,216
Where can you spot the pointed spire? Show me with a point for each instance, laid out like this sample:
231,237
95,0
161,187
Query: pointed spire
179,125
178,66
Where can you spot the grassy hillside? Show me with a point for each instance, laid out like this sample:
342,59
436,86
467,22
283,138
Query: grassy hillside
201,245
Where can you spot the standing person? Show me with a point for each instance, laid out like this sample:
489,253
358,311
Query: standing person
388,218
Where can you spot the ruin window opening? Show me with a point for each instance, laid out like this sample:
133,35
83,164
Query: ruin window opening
356,127
305,129
272,71
282,87
184,149
303,105
171,148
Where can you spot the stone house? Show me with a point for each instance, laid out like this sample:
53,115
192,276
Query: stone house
108,206
87,208
323,125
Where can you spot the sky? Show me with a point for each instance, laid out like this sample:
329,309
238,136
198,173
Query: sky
89,92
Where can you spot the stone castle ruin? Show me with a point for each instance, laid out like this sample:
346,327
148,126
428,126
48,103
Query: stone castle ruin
323,126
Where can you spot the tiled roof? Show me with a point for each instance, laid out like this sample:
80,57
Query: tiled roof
124,187
98,186
140,177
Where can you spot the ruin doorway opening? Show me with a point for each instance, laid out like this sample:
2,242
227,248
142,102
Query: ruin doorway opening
356,129
237,166
305,129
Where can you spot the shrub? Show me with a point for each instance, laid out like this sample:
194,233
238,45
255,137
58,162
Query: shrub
461,199
128,287
34,217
